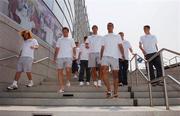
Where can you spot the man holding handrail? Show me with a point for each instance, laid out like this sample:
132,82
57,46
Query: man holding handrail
148,46
25,60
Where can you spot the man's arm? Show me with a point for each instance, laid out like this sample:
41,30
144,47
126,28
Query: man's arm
121,50
131,50
56,53
74,52
157,47
142,49
102,51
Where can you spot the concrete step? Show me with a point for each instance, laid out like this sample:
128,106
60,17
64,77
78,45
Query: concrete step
157,101
73,88
88,111
171,94
154,88
87,95
65,102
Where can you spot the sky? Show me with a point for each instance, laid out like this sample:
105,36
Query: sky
130,16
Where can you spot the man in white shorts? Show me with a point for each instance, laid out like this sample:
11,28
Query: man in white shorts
64,54
111,51
94,43
25,60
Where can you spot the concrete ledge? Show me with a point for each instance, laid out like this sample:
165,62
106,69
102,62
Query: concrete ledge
88,111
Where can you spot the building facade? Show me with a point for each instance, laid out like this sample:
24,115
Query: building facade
45,18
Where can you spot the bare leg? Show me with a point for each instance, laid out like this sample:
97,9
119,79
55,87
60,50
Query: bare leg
68,73
100,73
29,75
105,77
17,76
61,78
94,73
115,81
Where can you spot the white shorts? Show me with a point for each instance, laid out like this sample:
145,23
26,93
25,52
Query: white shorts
110,61
64,63
24,64
94,60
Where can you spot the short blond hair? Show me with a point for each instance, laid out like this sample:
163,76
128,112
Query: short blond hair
22,33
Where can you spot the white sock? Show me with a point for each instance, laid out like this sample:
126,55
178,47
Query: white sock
14,82
31,81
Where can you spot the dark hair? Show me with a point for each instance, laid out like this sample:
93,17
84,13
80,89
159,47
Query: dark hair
65,28
147,26
110,24
85,38
94,26
121,33
76,42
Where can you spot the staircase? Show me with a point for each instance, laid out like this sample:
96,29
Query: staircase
43,99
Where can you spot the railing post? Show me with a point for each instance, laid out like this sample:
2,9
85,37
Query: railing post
149,84
136,66
164,81
130,74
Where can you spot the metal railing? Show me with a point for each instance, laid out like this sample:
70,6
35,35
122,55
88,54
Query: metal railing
174,58
16,56
147,78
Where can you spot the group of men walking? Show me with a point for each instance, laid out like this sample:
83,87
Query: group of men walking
96,56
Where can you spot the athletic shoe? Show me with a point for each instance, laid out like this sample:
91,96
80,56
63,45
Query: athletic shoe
81,83
12,87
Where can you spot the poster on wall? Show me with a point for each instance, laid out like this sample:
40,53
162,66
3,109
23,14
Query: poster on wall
35,16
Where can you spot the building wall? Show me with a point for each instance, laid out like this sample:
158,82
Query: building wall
45,18
10,43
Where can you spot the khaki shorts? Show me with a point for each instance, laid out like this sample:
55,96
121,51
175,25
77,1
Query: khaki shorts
64,63
24,64
94,60
110,61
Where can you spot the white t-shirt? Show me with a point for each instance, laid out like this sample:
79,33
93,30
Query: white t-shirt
84,52
110,43
77,52
149,43
65,46
27,51
126,46
94,42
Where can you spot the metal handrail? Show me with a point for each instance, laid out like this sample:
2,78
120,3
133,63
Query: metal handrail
159,53
173,79
175,57
9,57
38,61
16,56
159,79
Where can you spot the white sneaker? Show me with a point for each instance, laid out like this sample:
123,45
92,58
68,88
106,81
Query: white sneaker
95,83
61,91
99,83
68,84
75,77
12,87
87,83
30,84
81,83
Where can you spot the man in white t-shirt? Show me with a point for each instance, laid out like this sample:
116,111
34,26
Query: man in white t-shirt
111,51
65,52
25,60
83,56
123,64
148,45
75,66
94,43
